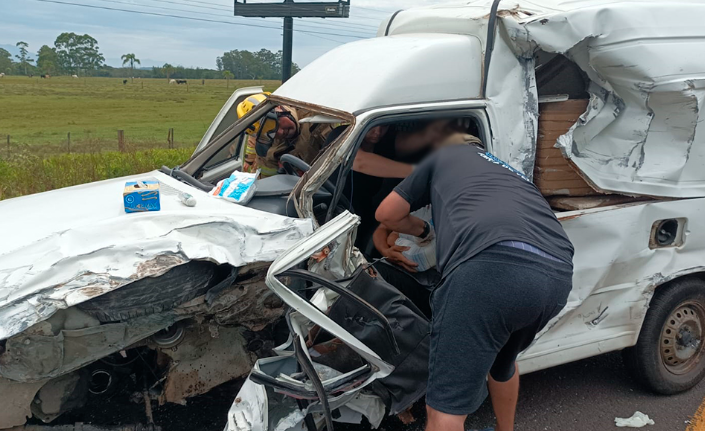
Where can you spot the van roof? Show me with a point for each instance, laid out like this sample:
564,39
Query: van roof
390,71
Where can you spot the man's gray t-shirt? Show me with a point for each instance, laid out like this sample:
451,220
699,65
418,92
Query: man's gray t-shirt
477,201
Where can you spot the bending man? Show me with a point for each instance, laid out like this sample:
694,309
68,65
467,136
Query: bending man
506,268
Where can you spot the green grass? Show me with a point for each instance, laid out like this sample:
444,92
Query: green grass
39,113
29,173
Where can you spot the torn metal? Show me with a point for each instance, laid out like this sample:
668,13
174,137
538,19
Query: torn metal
80,253
639,134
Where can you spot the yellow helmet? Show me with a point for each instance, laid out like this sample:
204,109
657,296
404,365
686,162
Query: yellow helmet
248,105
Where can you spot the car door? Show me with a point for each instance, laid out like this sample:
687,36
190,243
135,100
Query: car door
225,118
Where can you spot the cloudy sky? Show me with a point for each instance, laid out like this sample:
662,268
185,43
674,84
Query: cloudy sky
158,39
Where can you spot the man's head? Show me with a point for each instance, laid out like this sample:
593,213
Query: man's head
375,134
436,131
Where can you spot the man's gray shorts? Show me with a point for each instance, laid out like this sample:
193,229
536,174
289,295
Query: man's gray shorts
486,311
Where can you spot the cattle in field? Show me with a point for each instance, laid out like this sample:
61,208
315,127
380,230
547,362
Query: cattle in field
124,81
172,81
181,81
30,76
46,75
74,76
2,75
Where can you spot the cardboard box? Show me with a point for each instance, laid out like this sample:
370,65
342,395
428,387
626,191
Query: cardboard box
553,174
141,196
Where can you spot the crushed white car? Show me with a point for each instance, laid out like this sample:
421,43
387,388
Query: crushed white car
626,180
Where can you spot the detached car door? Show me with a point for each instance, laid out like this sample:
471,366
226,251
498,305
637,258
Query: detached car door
357,346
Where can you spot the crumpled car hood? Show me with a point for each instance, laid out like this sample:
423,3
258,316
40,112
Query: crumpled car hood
63,247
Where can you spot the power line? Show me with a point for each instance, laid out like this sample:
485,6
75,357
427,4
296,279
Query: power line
184,10
191,18
229,8
375,10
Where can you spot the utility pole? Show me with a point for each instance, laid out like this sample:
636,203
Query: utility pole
287,48
290,10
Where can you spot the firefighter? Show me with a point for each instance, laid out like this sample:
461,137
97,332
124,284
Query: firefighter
277,133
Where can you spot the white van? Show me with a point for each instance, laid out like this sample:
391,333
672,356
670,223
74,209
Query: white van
603,113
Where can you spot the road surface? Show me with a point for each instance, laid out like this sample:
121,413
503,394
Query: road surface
585,395
582,396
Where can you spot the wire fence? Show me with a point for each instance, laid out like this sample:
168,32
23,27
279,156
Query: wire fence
121,143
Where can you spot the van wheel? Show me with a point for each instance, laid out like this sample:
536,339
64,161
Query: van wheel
669,356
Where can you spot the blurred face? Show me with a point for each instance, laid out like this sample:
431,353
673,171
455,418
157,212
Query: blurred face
376,134
437,131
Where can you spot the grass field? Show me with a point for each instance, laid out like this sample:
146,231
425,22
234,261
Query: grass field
38,114
33,174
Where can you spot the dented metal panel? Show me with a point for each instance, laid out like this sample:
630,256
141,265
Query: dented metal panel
92,246
616,273
642,132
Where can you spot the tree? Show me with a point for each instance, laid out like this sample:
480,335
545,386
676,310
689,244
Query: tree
76,52
263,64
228,75
23,57
5,61
130,58
167,69
47,60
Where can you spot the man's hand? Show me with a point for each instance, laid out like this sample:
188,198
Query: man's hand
395,255
384,240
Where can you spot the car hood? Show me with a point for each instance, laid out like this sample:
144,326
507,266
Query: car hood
63,247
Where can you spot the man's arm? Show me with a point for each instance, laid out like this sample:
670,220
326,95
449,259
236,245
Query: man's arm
378,166
394,211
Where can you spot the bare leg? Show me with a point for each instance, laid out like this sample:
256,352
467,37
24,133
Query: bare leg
504,396
438,421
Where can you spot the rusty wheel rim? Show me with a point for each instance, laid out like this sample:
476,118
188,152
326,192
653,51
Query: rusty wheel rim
682,338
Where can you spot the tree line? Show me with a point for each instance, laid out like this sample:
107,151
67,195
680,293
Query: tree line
75,54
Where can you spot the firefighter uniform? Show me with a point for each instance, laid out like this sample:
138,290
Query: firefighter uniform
305,145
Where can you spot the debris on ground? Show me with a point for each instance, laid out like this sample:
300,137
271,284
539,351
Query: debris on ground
637,420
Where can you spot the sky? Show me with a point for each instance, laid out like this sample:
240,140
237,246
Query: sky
156,40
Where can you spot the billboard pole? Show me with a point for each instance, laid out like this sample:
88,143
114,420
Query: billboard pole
287,48
290,10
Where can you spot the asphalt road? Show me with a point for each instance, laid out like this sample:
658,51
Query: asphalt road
585,395
582,396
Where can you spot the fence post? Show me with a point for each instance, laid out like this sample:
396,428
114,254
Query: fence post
170,138
121,141
68,142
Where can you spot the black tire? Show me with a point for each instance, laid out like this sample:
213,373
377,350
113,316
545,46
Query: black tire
648,362
152,294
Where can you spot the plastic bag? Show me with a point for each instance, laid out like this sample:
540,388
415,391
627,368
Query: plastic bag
421,252
239,187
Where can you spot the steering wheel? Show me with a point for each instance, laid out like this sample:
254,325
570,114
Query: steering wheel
293,165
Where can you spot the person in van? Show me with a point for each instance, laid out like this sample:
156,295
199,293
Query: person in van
386,156
277,133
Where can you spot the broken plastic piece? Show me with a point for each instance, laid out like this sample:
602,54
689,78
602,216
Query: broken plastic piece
637,420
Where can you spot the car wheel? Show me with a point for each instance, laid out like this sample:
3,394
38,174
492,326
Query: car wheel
669,356
153,294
